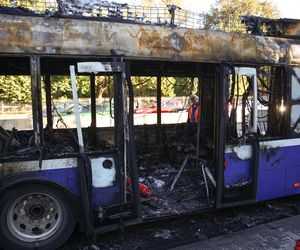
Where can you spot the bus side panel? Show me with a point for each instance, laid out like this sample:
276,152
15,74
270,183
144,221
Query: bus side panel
292,180
270,184
68,178
64,173
279,172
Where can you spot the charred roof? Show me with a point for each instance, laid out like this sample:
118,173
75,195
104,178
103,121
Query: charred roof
288,28
103,30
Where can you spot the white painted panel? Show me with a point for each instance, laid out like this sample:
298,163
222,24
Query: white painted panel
269,144
245,71
102,177
93,67
243,152
280,143
24,166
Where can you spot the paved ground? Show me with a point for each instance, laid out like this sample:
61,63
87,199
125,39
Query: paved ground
280,234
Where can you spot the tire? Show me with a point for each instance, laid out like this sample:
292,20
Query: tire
35,216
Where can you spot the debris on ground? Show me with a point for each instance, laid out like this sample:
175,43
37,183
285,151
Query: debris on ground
164,233
187,229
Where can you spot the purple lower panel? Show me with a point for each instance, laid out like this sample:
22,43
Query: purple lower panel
279,169
275,158
237,170
106,196
270,184
292,181
68,178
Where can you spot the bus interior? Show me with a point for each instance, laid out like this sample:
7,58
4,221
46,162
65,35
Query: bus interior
177,161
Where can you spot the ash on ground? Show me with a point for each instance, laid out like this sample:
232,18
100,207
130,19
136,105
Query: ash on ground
187,229
188,195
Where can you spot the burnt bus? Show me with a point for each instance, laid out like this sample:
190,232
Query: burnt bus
243,149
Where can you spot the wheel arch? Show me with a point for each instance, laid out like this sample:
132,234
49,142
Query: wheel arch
30,178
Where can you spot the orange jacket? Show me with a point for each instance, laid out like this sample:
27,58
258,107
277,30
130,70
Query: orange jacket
191,114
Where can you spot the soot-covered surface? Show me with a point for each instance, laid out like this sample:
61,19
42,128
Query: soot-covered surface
188,195
183,230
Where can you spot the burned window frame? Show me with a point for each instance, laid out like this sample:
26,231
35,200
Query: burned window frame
37,67
278,127
292,102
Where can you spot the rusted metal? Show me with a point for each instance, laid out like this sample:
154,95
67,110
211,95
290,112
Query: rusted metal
158,104
65,36
93,101
158,99
36,99
48,101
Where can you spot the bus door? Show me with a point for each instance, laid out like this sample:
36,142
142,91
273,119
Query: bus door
105,177
237,142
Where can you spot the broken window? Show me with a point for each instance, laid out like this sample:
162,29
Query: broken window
270,103
175,98
15,113
296,84
171,92
62,102
96,108
145,101
15,103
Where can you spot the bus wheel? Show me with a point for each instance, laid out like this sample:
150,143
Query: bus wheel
35,216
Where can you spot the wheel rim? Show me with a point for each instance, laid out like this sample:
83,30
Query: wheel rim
34,217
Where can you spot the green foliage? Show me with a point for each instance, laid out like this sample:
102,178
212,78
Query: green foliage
16,89
61,87
225,14
36,5
144,86
170,86
185,86
5,2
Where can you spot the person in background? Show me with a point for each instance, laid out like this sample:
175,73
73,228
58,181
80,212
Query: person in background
193,114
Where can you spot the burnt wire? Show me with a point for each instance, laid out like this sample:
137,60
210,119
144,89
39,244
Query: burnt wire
246,94
63,122
60,118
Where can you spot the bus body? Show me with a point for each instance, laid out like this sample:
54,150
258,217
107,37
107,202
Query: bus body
242,153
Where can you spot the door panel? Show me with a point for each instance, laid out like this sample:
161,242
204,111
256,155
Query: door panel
237,174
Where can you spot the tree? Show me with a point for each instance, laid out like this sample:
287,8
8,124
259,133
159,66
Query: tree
16,89
225,14
61,87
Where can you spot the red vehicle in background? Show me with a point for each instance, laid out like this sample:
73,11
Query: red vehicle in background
166,107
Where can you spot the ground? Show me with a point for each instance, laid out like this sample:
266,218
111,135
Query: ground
171,233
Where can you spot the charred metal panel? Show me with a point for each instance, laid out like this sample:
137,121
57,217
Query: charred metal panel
289,28
278,169
103,168
63,36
